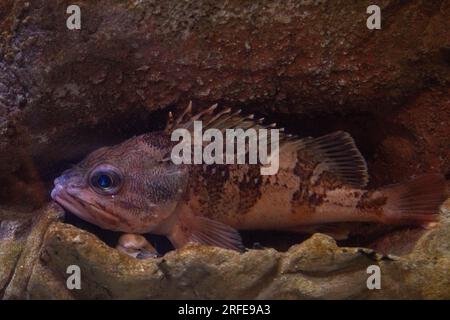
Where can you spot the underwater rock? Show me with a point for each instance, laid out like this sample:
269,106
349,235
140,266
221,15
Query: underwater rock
314,269
21,252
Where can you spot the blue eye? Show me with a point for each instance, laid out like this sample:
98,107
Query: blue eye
105,180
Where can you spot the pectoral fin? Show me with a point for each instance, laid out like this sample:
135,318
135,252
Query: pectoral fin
201,230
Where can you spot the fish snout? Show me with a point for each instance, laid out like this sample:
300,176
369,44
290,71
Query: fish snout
57,190
58,180
67,182
59,185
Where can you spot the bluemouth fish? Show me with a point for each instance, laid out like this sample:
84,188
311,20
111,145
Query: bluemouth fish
135,188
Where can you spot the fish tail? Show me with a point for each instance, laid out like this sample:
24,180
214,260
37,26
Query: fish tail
416,202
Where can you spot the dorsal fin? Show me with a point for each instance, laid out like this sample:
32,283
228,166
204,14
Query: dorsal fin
212,118
335,153
223,119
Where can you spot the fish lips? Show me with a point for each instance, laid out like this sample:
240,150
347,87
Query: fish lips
60,195
68,197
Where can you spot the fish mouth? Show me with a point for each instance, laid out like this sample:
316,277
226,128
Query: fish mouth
60,195
89,211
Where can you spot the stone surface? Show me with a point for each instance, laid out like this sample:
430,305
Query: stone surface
315,269
19,254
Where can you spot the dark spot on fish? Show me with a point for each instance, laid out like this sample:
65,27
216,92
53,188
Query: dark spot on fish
300,197
249,191
367,202
315,200
209,188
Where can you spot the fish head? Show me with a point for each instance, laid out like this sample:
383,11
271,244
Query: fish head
131,187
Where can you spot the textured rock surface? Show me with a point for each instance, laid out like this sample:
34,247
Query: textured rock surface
312,65
314,269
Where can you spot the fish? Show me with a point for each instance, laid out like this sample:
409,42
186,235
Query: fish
135,188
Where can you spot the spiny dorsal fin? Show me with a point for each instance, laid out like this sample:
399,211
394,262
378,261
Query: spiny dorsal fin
223,119
335,153
213,119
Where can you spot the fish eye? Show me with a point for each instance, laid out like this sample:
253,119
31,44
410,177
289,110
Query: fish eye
105,180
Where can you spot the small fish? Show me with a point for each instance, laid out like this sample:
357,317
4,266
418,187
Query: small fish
135,188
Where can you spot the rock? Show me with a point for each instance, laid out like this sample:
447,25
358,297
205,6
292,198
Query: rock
314,269
9,254
14,228
15,287
191,273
